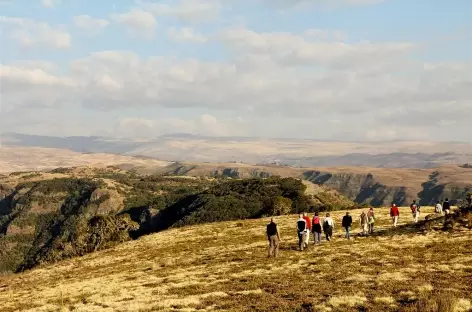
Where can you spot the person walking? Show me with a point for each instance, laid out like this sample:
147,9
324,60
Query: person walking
364,222
273,235
438,207
371,217
346,224
394,213
316,228
301,231
446,206
308,228
414,211
328,227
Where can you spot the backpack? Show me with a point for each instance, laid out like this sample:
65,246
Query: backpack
301,225
413,208
316,220
326,224
272,229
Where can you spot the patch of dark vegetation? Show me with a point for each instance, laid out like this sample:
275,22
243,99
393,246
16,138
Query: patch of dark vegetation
72,232
234,200
61,170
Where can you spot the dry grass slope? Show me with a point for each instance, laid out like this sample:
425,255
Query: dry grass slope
13,159
224,267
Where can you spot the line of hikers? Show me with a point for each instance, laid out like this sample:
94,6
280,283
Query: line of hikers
316,225
416,210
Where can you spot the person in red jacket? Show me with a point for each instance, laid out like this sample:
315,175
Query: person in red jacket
394,213
308,227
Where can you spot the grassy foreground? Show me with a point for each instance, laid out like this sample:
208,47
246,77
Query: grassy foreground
224,267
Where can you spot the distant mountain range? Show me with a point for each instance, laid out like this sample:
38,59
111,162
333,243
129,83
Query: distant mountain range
291,152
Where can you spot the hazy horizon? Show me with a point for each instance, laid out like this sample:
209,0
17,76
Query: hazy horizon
196,135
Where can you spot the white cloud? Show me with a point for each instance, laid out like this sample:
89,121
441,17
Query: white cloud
29,33
140,23
31,76
50,3
23,86
35,65
186,34
193,11
325,34
372,90
291,49
89,24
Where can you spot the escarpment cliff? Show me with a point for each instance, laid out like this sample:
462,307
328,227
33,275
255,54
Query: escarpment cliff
382,188
363,185
361,188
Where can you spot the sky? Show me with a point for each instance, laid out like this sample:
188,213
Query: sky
344,70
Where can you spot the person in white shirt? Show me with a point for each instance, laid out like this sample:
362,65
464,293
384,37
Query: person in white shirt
301,232
438,207
364,221
328,227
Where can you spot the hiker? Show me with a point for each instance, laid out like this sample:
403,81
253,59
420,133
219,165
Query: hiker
346,224
394,213
328,227
273,235
308,228
438,207
364,222
316,228
415,211
371,218
446,206
301,231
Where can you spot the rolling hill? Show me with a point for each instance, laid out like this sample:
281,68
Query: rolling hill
69,212
364,185
293,152
224,267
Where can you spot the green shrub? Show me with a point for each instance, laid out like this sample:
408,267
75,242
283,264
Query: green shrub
279,205
234,200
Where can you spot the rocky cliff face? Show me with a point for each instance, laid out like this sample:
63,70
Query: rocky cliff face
237,173
43,221
367,189
361,188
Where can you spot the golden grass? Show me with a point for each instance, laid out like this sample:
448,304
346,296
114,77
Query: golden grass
224,267
16,158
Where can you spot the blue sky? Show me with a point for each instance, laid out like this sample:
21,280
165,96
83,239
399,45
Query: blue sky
340,70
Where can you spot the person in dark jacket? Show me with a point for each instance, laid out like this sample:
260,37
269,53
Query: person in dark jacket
328,227
446,206
301,231
273,235
346,224
316,228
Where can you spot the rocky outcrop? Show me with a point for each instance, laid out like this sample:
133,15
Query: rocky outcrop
361,188
107,201
72,236
367,189
5,190
48,220
236,173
